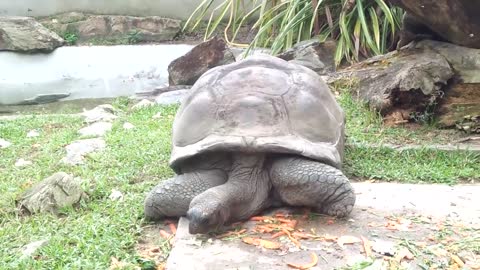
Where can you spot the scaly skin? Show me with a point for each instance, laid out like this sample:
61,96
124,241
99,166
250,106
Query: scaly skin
246,193
215,191
302,182
172,197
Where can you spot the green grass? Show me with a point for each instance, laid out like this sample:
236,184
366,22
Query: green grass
136,160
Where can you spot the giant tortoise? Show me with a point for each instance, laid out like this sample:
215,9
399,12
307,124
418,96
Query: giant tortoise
253,134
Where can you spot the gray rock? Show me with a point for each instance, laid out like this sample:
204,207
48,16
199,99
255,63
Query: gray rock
412,79
173,97
143,104
24,34
151,95
188,68
464,61
318,56
96,129
101,113
44,98
137,29
78,149
57,191
30,249
23,163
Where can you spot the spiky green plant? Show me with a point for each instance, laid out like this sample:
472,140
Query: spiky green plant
360,27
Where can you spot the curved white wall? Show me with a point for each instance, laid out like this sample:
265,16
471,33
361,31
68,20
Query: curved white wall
177,9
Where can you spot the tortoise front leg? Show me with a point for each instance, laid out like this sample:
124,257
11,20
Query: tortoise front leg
302,182
172,197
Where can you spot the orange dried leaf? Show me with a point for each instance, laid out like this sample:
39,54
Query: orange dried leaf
173,229
347,239
457,260
294,241
260,218
165,234
367,247
330,221
308,265
261,242
278,234
303,235
404,253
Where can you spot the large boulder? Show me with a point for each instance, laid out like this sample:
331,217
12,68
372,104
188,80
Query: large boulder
455,21
209,54
55,192
407,78
24,34
313,54
131,29
422,79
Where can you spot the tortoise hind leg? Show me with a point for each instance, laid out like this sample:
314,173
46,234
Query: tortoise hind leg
302,182
172,197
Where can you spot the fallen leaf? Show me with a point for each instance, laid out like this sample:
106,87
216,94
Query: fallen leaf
294,241
308,265
330,221
404,253
329,238
165,234
260,218
173,229
278,234
347,239
457,260
261,242
367,247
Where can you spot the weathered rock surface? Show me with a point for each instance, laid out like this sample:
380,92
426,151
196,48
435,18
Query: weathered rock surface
173,97
78,149
456,21
460,108
186,69
96,129
4,143
24,34
320,57
57,191
137,29
464,61
30,249
408,80
101,113
151,95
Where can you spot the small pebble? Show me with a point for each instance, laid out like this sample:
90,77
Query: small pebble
32,134
23,163
128,126
4,143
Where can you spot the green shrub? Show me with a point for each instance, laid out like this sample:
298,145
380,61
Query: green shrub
360,27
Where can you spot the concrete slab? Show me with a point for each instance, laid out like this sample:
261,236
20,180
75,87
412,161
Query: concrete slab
421,207
85,72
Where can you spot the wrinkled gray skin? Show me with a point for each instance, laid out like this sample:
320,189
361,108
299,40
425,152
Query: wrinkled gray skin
238,186
257,133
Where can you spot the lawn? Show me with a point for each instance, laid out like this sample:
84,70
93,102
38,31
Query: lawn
136,159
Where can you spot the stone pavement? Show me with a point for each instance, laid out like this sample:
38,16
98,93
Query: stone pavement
388,216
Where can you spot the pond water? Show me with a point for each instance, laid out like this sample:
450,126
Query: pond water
85,72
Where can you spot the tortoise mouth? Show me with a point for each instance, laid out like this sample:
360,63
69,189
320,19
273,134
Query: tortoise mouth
325,152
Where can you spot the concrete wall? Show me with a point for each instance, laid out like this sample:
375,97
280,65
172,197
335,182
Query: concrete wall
178,9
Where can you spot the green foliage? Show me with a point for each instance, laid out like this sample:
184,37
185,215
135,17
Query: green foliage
70,38
361,27
134,37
